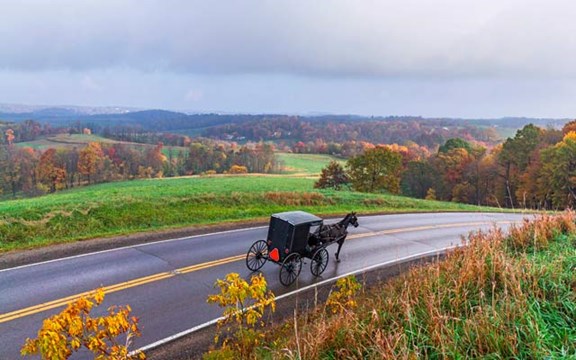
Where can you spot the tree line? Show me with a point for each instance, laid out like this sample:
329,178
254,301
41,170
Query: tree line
288,131
535,169
30,172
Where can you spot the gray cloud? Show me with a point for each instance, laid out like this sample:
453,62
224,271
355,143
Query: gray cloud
336,38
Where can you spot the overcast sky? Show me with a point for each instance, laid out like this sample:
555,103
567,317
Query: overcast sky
457,58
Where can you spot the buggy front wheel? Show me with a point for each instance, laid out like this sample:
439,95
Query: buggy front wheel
319,261
257,255
290,269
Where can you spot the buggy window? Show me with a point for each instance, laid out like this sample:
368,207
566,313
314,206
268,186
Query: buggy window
314,229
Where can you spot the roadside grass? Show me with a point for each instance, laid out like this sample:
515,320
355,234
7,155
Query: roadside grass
501,297
122,208
306,163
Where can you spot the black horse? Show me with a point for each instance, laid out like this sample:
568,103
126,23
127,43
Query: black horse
336,232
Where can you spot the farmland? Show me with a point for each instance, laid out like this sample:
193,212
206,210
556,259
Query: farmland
66,141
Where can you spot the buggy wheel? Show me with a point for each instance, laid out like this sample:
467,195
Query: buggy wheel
290,269
319,261
257,255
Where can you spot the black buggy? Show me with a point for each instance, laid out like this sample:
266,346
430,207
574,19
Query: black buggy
293,235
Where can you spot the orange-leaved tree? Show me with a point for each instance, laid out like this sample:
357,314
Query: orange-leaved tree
50,172
74,328
91,161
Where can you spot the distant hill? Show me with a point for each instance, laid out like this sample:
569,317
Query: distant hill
64,110
279,127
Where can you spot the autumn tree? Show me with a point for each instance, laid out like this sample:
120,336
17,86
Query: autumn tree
569,127
515,157
558,172
11,168
156,159
376,170
451,165
265,158
488,179
199,156
50,173
70,160
418,177
455,143
332,176
91,160
520,164
9,136
174,163
74,328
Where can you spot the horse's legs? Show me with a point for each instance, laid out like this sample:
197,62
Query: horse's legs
340,243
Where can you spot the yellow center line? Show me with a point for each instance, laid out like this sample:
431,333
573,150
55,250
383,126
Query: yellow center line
188,269
114,288
421,228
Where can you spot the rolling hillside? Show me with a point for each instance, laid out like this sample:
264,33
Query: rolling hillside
151,205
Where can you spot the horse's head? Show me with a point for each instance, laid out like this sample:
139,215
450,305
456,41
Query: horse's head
353,219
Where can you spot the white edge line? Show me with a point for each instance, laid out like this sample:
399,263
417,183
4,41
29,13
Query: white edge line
130,247
280,297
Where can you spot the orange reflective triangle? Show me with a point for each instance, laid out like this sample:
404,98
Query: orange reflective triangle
274,254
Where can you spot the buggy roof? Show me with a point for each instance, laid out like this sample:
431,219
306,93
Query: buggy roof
298,217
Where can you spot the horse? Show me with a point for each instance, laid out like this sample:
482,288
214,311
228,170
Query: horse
337,232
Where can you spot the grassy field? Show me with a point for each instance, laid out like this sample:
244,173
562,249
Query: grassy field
69,141
501,297
144,205
64,141
306,163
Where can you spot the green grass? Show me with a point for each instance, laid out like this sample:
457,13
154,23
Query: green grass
144,205
306,163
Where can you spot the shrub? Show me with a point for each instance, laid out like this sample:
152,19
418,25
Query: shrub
332,176
238,169
74,328
235,296
342,299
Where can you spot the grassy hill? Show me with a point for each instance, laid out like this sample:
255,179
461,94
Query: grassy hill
70,141
145,205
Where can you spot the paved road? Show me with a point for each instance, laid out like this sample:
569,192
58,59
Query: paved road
166,283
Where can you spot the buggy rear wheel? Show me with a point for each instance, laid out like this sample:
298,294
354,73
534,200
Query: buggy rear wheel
290,269
257,255
319,261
